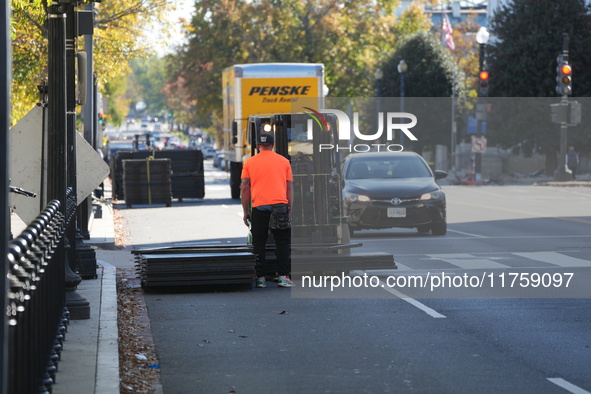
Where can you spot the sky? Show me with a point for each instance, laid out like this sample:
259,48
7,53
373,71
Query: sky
183,9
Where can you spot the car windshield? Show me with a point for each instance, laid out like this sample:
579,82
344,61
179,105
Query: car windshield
387,167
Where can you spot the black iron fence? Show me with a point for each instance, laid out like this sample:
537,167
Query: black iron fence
36,309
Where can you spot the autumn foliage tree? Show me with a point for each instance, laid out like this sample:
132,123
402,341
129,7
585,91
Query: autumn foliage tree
522,60
29,54
465,54
348,36
431,77
119,36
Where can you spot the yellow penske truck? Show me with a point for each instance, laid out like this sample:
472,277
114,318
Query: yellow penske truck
262,89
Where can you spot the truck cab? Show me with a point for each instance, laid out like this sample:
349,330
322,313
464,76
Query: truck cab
263,89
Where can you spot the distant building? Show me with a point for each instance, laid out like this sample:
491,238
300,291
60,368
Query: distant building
494,5
459,11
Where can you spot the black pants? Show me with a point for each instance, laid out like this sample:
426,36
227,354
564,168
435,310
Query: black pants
260,232
574,171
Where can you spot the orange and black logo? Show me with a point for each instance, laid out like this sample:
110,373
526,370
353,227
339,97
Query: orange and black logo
279,91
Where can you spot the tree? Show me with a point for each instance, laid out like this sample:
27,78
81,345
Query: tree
528,38
119,29
349,37
522,63
146,82
29,54
431,74
465,54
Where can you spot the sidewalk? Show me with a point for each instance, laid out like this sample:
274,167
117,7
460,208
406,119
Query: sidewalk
90,357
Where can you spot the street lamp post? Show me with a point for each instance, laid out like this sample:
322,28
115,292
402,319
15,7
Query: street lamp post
379,75
5,107
402,68
482,39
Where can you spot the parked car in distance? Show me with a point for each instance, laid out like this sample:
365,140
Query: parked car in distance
112,134
219,160
113,146
393,189
208,153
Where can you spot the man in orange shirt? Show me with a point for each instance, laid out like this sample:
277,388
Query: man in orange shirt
267,187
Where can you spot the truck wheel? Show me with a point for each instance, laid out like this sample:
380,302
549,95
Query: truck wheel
235,173
235,192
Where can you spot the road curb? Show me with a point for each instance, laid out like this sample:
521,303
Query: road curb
107,366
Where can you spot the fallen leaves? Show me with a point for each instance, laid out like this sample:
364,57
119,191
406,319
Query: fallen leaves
137,374
139,369
121,233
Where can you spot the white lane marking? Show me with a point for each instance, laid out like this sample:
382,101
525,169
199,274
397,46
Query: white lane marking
568,386
429,311
555,258
469,234
527,213
389,238
467,261
217,187
233,206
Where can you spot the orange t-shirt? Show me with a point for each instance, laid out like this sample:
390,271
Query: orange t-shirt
268,173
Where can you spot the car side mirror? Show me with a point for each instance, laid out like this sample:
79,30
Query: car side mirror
440,174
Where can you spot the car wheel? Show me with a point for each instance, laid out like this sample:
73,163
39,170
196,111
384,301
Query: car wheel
425,228
439,228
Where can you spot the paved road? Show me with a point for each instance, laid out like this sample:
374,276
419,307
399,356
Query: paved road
274,340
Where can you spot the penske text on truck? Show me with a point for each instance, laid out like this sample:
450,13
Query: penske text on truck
262,89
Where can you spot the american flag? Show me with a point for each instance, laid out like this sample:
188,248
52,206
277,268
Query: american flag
447,30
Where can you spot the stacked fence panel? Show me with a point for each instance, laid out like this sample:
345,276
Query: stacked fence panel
187,175
116,166
170,267
187,172
147,182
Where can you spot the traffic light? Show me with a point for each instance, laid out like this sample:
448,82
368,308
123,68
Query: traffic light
564,78
102,119
483,84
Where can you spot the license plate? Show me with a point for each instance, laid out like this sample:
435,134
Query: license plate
396,212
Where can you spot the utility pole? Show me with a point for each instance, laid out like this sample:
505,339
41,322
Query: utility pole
57,121
564,88
78,306
482,39
59,151
88,112
84,256
5,80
